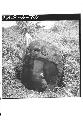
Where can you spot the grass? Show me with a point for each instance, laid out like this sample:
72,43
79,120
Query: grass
63,42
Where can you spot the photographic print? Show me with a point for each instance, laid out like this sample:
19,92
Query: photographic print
41,56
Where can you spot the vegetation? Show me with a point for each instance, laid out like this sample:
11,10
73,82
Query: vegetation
59,44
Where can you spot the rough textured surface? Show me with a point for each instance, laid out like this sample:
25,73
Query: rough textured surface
38,73
61,43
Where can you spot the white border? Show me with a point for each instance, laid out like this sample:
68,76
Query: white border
62,111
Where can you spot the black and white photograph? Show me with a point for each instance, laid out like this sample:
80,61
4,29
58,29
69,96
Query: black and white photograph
41,56
41,62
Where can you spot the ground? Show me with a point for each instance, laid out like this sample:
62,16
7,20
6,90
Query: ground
62,40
